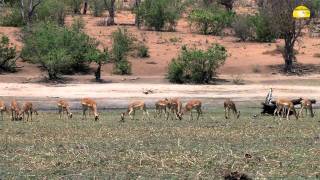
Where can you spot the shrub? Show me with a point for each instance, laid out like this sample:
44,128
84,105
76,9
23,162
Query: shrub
51,10
143,51
7,55
59,50
121,44
98,7
78,24
159,14
12,18
243,28
210,20
75,5
197,66
264,32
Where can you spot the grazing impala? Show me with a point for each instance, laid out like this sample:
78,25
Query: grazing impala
161,107
192,104
230,105
63,106
284,105
132,107
3,108
88,103
175,107
29,110
15,110
307,105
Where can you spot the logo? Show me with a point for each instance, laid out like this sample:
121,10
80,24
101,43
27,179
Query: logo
301,12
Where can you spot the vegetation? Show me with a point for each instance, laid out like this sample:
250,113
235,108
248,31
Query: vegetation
98,7
143,51
12,18
121,44
197,66
110,6
159,14
262,148
7,55
256,27
210,20
46,12
58,49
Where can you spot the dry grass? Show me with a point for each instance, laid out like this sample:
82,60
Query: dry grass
49,148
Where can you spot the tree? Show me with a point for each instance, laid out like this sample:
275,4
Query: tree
85,7
101,58
27,9
280,11
197,66
137,20
110,6
8,55
57,49
228,4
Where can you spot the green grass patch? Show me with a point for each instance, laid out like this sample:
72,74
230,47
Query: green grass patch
158,149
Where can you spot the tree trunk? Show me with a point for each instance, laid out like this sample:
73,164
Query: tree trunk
111,9
288,54
85,7
98,72
137,18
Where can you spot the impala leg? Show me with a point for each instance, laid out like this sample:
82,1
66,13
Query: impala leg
191,115
60,113
229,113
130,112
84,109
198,113
288,113
31,112
225,113
301,111
311,112
2,115
12,115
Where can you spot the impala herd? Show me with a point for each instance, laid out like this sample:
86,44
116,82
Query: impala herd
169,107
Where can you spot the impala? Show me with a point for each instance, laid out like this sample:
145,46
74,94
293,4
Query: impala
175,107
3,108
162,107
88,103
132,107
15,110
284,106
63,106
307,105
228,106
192,105
29,110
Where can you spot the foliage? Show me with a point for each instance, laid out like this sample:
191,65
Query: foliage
254,27
210,20
12,18
143,51
243,28
78,24
159,14
59,50
97,7
121,44
7,55
197,66
51,10
75,5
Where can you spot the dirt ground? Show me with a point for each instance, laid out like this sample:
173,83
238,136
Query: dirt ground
253,65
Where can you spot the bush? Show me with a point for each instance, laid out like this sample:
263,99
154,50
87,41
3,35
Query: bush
197,66
51,10
143,51
12,18
121,44
256,27
75,5
98,7
210,20
59,50
7,55
264,32
159,14
243,28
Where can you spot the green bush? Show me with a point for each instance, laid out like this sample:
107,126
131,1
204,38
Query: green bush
51,10
75,5
243,28
121,44
97,7
7,55
58,49
256,27
210,20
143,51
197,66
159,14
12,18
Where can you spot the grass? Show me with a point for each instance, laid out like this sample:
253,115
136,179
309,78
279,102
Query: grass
49,148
